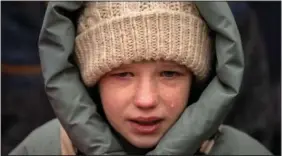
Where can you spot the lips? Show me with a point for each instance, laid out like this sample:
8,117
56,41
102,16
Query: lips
145,125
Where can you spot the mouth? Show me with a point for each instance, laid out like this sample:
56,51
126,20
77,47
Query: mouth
146,125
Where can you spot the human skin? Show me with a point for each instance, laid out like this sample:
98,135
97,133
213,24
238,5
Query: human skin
143,100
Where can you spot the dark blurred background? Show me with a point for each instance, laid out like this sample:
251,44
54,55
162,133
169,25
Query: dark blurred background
256,112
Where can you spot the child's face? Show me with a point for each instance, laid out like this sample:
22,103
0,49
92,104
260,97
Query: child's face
143,100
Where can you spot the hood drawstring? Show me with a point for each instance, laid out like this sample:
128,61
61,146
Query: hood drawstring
207,145
67,147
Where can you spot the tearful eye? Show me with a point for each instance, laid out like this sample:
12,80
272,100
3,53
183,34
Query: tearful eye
170,74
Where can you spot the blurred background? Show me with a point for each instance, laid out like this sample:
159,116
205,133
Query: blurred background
257,110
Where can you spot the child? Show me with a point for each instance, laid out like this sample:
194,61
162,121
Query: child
140,62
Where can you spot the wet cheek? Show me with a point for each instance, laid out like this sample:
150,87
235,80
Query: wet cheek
174,98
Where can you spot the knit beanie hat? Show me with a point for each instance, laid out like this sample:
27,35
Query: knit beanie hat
110,34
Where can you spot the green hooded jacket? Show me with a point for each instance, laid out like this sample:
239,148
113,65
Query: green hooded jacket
78,114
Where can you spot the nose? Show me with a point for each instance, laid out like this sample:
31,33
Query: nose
146,96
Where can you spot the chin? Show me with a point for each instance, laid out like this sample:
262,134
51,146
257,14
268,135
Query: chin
143,142
145,145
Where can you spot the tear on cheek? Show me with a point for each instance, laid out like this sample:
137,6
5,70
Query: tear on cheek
172,105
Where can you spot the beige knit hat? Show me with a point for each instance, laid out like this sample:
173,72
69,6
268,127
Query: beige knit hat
115,33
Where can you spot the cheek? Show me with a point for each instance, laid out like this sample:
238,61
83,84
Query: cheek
114,98
109,99
175,98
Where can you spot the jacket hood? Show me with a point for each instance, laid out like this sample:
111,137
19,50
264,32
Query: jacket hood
79,114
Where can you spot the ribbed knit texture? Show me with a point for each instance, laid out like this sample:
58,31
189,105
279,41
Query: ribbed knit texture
115,33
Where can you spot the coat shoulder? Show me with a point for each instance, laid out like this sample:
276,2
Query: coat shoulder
235,142
43,140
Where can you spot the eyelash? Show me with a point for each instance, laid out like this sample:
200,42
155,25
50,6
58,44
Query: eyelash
170,72
123,74
162,74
